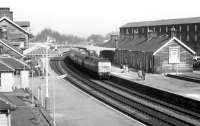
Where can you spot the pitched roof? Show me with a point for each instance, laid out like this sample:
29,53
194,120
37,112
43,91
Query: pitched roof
131,43
23,23
153,44
14,63
178,41
5,105
163,22
111,43
16,50
146,45
5,68
16,25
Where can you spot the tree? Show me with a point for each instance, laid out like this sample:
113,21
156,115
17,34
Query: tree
59,38
96,39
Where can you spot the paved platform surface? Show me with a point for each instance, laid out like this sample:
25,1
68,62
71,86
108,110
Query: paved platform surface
73,107
181,87
23,114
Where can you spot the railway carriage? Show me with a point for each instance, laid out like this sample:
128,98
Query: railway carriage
95,66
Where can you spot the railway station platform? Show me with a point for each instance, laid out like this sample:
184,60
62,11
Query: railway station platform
74,107
161,82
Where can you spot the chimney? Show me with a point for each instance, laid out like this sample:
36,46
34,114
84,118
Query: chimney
11,15
114,37
6,12
173,32
116,43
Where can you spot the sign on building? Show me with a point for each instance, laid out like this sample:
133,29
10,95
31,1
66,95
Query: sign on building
3,120
24,79
174,55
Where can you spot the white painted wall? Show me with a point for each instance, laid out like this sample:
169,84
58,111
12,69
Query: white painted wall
24,77
7,82
4,120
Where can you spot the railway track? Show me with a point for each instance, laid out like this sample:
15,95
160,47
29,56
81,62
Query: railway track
145,109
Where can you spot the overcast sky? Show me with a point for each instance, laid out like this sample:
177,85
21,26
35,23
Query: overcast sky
85,17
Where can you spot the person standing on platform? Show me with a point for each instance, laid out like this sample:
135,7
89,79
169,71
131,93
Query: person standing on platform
143,74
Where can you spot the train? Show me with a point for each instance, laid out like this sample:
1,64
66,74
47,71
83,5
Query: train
98,67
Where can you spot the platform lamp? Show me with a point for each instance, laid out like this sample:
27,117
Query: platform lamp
47,100
58,78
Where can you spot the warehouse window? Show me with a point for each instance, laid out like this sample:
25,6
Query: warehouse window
142,30
132,30
188,37
195,37
127,31
195,27
136,30
154,29
188,28
180,28
166,29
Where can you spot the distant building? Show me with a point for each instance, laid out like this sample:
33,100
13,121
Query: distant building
17,33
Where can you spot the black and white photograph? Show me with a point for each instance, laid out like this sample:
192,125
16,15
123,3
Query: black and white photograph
99,63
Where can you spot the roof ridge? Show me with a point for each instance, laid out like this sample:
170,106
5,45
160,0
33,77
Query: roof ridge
26,65
9,46
12,22
7,101
7,65
162,22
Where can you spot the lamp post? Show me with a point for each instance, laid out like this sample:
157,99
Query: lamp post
58,78
47,105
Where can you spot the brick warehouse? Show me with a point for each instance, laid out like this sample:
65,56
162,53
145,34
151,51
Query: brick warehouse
155,46
186,29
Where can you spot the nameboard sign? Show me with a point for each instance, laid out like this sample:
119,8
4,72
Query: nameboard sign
174,55
3,120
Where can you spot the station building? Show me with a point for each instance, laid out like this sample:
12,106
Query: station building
14,74
16,33
165,46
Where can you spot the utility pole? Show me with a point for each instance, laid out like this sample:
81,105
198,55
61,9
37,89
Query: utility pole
47,100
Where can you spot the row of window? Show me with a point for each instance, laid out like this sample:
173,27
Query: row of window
188,37
136,30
